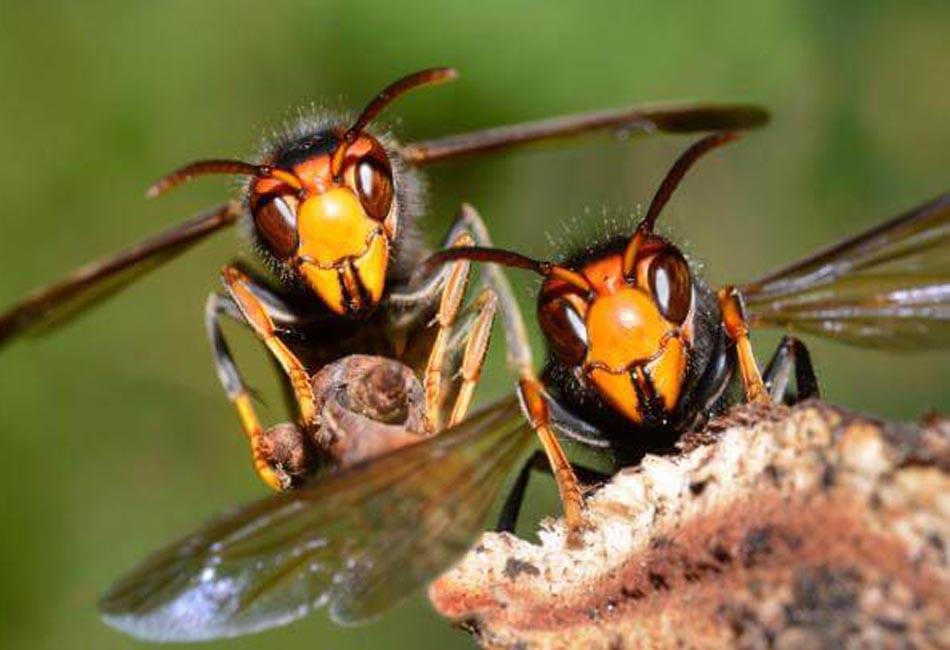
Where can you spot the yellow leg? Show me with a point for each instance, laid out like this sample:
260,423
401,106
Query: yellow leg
254,312
733,317
520,359
255,435
476,350
449,307
235,390
568,486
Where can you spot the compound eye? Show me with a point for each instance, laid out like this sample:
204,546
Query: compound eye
276,222
374,185
671,285
565,330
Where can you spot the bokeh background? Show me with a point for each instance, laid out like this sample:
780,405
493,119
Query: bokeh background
114,435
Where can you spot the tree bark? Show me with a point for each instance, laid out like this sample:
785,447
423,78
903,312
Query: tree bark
774,528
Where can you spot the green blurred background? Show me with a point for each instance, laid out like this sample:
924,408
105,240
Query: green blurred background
114,434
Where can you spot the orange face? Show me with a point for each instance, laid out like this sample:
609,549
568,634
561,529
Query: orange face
335,231
627,337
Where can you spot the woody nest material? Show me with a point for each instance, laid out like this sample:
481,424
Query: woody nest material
775,528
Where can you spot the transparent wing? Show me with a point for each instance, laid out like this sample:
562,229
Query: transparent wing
55,304
888,287
663,118
357,541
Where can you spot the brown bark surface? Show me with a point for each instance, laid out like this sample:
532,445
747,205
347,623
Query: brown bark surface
778,528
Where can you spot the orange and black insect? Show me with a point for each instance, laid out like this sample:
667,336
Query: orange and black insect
641,349
360,539
331,207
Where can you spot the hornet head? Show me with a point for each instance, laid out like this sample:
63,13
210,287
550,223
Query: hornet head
325,206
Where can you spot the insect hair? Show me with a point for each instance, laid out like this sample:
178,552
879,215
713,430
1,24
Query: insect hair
409,184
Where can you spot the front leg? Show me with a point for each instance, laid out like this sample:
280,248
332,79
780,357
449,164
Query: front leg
450,305
476,339
737,329
423,292
535,407
519,359
245,294
511,509
263,306
237,393
447,285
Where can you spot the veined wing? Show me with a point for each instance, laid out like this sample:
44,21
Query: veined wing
663,118
887,287
55,304
357,541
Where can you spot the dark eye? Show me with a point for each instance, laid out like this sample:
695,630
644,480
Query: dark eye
374,184
276,222
671,285
564,329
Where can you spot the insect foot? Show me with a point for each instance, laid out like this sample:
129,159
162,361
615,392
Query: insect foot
802,527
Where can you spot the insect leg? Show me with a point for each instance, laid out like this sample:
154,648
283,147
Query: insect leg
255,312
234,387
467,229
516,339
476,350
517,349
536,409
518,352
508,518
425,290
737,329
510,511
791,354
520,359
450,305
